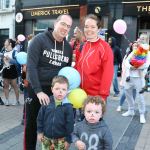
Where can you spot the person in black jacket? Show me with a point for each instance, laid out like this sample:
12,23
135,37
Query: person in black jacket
117,62
55,121
47,53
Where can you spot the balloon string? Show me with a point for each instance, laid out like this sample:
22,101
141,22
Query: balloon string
126,38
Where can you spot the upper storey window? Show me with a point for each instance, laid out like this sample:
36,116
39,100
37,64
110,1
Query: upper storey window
4,4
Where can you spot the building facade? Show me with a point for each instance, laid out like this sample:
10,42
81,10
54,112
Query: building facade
35,16
7,20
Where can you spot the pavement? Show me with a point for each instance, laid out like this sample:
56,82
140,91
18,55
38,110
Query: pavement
127,132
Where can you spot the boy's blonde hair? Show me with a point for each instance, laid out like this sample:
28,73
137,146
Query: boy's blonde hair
60,79
95,100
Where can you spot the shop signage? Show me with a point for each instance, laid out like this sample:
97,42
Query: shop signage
143,8
19,17
50,12
137,9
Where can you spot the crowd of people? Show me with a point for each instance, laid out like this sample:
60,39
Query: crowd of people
48,114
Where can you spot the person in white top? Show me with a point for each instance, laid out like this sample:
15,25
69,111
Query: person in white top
136,81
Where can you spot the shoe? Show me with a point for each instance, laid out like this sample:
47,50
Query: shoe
116,95
142,91
118,108
142,119
22,122
16,103
128,113
7,103
1,102
127,79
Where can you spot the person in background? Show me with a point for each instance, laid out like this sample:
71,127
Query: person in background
95,63
123,77
136,82
77,43
9,72
55,121
117,62
29,38
47,53
92,132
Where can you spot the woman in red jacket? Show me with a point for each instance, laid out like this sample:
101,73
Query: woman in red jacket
95,64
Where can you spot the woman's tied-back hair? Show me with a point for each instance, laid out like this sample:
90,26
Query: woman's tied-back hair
94,17
60,79
12,42
95,100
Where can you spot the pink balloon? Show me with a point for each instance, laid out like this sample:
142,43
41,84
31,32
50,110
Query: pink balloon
120,26
21,37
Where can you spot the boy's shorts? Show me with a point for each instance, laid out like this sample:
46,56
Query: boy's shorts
53,144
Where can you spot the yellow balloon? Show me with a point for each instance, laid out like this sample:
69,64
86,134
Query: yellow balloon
77,97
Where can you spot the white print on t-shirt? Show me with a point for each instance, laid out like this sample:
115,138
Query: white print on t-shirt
56,57
92,140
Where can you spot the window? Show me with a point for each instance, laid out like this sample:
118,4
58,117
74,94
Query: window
4,4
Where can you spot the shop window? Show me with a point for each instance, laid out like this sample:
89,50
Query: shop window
41,25
4,34
4,4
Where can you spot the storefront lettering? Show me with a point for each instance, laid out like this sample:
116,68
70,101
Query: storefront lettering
143,8
40,13
49,12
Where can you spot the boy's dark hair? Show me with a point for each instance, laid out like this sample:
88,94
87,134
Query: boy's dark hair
93,17
95,100
60,79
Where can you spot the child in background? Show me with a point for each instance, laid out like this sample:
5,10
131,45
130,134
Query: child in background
55,121
137,59
92,132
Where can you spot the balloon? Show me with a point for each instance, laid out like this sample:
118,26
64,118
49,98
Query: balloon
21,58
21,37
77,97
72,75
120,26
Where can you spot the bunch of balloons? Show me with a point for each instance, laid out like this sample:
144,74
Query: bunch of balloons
21,58
76,95
72,75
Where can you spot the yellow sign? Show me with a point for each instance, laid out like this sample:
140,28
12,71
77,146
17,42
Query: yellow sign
49,12
143,8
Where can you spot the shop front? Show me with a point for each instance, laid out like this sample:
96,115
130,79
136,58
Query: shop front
36,19
137,15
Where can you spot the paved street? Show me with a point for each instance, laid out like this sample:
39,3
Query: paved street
128,133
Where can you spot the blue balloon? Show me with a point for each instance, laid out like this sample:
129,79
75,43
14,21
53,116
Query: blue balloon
21,58
72,75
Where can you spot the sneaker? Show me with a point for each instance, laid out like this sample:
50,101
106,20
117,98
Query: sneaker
118,108
7,103
116,95
16,103
1,102
127,79
142,119
128,113
22,122
142,91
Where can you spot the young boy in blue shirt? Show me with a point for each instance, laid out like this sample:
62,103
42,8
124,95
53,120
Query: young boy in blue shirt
55,121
